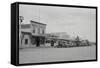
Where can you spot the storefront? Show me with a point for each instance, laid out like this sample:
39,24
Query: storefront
32,35
37,40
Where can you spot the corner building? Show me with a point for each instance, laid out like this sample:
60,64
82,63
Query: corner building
32,35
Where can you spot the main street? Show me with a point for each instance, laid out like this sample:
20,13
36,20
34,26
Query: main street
36,55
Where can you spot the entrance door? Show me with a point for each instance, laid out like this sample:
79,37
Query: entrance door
26,41
37,42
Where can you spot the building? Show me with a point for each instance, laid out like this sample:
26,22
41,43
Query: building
59,38
51,40
34,35
31,35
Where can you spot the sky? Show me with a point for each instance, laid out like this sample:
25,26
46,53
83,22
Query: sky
74,21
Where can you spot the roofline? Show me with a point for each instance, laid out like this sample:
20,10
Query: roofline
37,22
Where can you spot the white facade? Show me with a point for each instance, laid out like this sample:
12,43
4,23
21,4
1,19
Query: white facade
31,34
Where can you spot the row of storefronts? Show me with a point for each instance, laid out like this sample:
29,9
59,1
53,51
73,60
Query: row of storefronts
34,35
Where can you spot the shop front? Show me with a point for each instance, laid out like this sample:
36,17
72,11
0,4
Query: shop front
38,41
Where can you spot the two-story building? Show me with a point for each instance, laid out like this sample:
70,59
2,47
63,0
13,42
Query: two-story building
32,34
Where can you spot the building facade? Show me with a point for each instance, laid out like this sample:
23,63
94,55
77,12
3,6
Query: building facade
58,38
31,35
34,35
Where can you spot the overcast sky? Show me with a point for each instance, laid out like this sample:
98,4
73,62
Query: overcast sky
74,21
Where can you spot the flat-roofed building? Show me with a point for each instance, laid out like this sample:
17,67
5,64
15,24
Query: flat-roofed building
59,38
32,34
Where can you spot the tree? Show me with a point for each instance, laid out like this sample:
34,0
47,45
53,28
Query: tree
87,42
21,18
77,41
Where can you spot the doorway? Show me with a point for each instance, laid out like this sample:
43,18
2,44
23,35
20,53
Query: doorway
26,41
37,41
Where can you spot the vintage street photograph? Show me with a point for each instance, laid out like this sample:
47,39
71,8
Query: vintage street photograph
56,34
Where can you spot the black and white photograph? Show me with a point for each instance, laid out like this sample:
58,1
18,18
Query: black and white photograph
56,34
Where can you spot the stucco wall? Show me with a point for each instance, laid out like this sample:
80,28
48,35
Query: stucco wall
23,41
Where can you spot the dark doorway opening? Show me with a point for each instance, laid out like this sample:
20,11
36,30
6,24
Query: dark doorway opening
37,42
26,41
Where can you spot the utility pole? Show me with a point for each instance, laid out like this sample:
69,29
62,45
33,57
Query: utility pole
21,18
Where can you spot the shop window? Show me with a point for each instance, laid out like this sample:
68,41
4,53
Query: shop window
47,41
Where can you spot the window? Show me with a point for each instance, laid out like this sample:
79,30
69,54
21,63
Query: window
43,31
38,30
26,41
33,28
33,31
